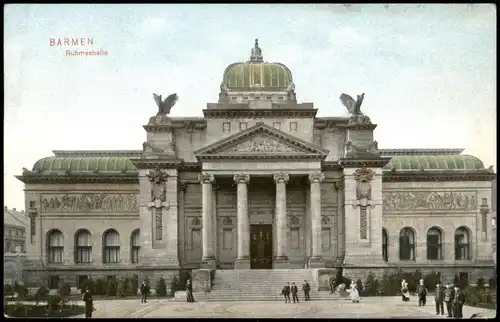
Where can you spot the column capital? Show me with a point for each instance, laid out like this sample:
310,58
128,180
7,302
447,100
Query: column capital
281,177
241,178
206,178
316,177
339,185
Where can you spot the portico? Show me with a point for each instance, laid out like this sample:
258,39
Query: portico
280,222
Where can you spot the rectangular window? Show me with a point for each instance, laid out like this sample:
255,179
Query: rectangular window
226,127
363,231
111,254
55,254
233,98
269,97
53,282
277,125
111,277
135,254
295,238
326,238
464,278
257,98
243,126
245,98
83,254
484,202
280,98
293,126
227,239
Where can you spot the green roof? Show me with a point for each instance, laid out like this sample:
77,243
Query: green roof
435,162
85,164
249,75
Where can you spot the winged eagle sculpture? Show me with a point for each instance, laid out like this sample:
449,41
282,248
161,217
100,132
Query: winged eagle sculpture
353,106
166,105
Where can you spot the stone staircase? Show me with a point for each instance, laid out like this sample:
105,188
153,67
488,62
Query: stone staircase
258,285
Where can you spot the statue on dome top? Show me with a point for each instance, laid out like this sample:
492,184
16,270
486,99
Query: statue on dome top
256,55
164,106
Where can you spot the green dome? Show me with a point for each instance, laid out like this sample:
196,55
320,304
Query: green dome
435,162
84,164
256,74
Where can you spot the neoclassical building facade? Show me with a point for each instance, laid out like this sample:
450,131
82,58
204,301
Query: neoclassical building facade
258,182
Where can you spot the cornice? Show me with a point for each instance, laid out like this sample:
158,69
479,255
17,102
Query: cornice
395,176
261,156
144,163
331,165
259,113
97,153
359,126
357,163
78,178
166,124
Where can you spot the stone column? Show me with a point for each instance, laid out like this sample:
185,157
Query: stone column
339,186
281,260
206,181
316,259
243,260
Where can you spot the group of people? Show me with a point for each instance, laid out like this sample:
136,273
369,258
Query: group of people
294,290
450,294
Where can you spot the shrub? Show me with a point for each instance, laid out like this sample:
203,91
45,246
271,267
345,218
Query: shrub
431,280
121,288
55,303
41,294
8,288
20,289
480,283
64,290
492,282
359,284
485,296
161,287
175,285
134,284
88,284
111,288
471,296
371,285
101,287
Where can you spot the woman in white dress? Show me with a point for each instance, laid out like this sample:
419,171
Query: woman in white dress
405,293
354,292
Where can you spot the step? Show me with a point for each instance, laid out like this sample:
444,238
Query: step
212,296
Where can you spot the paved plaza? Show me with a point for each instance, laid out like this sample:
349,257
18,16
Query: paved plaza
369,307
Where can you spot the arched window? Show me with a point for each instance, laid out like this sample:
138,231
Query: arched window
83,246
111,245
407,244
136,246
55,246
385,243
462,244
434,242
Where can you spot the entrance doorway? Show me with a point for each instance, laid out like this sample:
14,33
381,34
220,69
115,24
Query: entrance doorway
261,246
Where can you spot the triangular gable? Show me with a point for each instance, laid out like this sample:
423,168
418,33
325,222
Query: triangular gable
263,141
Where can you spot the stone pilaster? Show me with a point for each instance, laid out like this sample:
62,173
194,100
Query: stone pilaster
243,260
316,259
339,186
281,260
208,257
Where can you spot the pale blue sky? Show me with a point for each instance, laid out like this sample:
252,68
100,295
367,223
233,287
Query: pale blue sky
429,73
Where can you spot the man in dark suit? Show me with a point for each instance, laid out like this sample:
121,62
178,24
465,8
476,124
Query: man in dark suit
144,292
332,282
306,288
458,303
294,291
422,293
439,298
448,298
286,293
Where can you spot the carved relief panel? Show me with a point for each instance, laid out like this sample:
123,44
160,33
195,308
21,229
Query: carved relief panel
90,202
425,200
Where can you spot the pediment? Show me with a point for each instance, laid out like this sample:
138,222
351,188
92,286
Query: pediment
261,141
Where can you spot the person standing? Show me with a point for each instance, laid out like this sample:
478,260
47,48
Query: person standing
144,292
422,293
448,299
89,303
332,281
189,292
458,303
286,293
306,288
294,291
405,294
354,292
439,298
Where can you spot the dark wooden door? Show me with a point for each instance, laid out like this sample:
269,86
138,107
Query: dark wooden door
261,246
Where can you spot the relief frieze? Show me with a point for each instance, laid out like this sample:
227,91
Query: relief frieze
262,144
90,202
430,200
